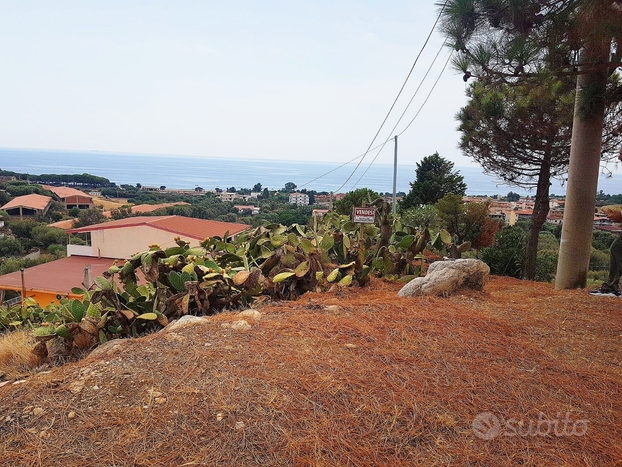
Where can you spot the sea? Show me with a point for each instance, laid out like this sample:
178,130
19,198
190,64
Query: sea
189,172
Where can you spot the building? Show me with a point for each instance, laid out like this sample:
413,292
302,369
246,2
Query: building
231,197
71,197
27,206
124,237
53,281
299,198
252,209
104,243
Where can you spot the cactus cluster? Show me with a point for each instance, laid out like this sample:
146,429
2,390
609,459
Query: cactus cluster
158,285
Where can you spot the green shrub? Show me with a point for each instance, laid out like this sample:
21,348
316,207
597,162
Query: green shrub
58,250
599,260
506,256
10,246
546,265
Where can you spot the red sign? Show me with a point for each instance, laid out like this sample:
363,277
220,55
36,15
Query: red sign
364,215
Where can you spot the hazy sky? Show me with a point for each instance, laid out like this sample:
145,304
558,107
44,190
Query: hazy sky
295,79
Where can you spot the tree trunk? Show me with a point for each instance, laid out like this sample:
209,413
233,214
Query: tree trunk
587,130
538,218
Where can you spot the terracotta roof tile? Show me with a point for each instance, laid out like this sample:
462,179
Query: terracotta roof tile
188,226
65,191
33,201
56,276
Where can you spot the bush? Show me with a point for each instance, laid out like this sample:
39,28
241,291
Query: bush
547,241
599,260
46,236
602,240
546,265
506,256
10,247
58,250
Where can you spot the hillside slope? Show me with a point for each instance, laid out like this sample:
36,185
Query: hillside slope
350,377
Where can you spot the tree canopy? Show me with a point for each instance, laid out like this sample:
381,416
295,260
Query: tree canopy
511,42
355,199
435,179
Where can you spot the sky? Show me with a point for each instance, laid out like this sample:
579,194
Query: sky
296,79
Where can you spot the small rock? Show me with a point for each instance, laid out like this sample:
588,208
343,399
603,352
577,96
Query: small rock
241,325
76,386
154,393
38,412
333,309
32,431
44,434
185,321
351,346
160,400
8,419
71,415
96,387
20,381
250,313
239,425
219,417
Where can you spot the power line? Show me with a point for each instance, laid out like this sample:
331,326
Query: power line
397,97
405,110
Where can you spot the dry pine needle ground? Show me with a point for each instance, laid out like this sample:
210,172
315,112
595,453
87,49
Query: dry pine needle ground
376,380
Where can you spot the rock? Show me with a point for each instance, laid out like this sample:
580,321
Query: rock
110,347
241,325
333,309
185,321
76,386
154,393
160,400
239,425
250,313
219,416
38,411
71,415
446,277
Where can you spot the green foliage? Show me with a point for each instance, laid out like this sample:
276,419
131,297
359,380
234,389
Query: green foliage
602,240
12,264
505,257
74,212
46,236
89,217
546,265
22,229
4,215
511,196
355,199
547,241
422,217
10,247
435,179
599,260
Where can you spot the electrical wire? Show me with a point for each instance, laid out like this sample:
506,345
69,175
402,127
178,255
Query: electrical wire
397,97
405,110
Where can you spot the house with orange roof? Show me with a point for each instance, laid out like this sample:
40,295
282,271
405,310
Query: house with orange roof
27,206
252,209
53,281
124,237
71,197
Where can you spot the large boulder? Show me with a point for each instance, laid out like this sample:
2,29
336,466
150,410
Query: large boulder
445,277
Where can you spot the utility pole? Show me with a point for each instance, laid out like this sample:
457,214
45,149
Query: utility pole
395,177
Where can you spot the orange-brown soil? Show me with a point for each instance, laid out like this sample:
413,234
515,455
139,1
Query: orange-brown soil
376,380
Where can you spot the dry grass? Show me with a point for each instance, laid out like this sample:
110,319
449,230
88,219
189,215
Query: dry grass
16,357
382,380
109,204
